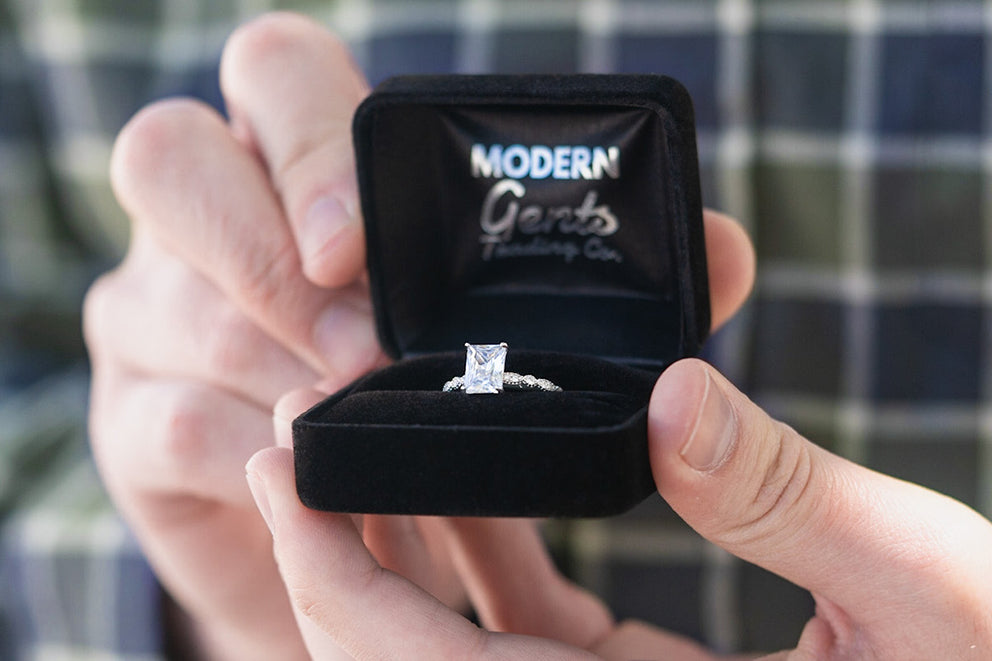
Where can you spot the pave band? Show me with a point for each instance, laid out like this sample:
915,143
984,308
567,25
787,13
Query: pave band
511,381
484,373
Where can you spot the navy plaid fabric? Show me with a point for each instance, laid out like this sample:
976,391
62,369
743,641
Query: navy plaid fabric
851,137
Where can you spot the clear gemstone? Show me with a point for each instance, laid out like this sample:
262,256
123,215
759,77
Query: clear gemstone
484,365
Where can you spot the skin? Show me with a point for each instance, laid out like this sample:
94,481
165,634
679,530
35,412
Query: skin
897,571
244,287
217,311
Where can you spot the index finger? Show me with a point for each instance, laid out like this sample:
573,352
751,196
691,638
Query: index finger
292,89
345,597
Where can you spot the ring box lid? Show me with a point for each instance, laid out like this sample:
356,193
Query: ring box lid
556,213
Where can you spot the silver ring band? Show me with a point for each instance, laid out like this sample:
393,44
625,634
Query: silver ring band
511,381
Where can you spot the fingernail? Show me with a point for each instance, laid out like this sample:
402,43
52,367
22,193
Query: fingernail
258,491
324,220
713,432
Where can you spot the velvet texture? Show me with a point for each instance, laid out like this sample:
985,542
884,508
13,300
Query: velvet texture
596,280
394,443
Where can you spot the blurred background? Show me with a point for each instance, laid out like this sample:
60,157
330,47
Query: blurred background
852,138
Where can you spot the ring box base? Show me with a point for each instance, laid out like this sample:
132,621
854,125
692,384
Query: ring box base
413,449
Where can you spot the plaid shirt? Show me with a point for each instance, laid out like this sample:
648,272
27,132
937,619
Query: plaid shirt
852,138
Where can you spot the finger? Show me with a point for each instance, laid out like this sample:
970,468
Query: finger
636,640
369,612
730,264
883,551
444,583
515,586
293,88
288,408
410,546
155,315
180,174
171,436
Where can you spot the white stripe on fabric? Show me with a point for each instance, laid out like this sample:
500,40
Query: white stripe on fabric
855,149
55,652
598,24
856,200
475,43
936,286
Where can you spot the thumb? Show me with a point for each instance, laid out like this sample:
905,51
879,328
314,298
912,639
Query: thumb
876,547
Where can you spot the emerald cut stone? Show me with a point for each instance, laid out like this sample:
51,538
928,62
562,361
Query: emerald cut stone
484,365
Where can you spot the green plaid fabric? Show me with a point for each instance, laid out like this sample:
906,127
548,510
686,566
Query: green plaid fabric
852,137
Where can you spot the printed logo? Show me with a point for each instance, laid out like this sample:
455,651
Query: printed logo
541,162
513,228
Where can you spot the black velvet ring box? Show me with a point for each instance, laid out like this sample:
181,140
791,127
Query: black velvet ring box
558,214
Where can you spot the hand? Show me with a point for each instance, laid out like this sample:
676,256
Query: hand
345,597
897,571
244,280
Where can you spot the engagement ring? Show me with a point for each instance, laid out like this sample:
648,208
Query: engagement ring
484,373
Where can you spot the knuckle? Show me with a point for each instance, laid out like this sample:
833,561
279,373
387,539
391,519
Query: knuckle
97,306
269,41
318,150
255,61
306,599
266,277
182,438
147,139
100,415
231,346
778,502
